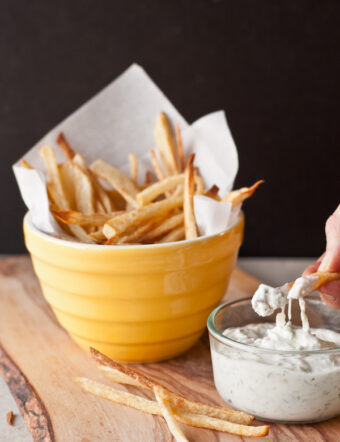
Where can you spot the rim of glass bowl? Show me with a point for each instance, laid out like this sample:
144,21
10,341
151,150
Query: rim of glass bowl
248,347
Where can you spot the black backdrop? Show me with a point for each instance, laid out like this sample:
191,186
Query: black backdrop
272,65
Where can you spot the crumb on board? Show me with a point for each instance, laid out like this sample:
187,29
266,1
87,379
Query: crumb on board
10,417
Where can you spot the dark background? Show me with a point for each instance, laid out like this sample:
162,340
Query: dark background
272,65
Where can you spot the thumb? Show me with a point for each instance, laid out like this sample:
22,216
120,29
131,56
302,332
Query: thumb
331,259
330,293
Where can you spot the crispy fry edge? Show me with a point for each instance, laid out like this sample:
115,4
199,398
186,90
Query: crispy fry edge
177,399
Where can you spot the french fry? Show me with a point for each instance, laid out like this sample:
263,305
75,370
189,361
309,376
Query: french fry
200,408
237,197
98,237
59,196
133,167
175,398
189,190
77,231
169,417
166,144
321,278
119,203
148,178
154,190
120,397
89,210
65,147
211,423
77,186
117,179
213,192
163,187
118,377
99,208
168,224
102,200
122,223
80,233
198,182
178,191
79,160
157,167
180,152
67,176
176,234
137,233
84,219
102,194
56,187
324,278
152,407
52,196
83,191
25,164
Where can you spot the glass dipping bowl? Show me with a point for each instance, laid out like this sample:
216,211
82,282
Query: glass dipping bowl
276,386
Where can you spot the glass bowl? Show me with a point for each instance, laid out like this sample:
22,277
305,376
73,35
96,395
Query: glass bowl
276,386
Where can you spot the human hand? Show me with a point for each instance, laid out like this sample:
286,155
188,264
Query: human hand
330,261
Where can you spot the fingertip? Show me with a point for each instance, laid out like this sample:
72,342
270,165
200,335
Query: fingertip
331,301
311,268
330,294
331,289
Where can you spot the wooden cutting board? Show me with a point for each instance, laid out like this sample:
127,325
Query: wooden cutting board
39,362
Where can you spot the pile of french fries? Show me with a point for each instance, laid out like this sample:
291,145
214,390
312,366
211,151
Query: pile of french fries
172,406
99,204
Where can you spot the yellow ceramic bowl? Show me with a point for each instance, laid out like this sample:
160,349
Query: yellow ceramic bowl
134,303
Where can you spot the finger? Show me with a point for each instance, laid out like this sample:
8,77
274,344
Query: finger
321,257
330,301
331,260
311,268
331,288
330,294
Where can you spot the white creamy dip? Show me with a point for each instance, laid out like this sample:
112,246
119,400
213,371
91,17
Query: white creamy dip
286,337
268,299
289,387
303,286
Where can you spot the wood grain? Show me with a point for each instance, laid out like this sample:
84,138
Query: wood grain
49,361
30,404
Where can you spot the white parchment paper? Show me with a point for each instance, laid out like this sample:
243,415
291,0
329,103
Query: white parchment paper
119,120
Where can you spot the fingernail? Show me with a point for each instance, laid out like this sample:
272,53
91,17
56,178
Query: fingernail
325,264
